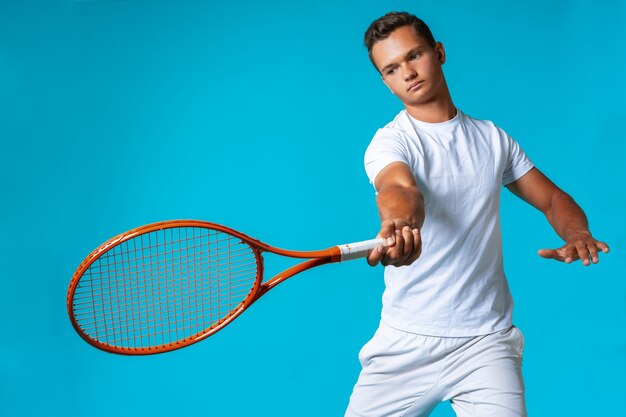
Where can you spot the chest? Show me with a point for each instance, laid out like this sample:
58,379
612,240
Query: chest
458,165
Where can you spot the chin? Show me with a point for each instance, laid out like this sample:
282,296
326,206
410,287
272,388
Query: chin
413,102
419,99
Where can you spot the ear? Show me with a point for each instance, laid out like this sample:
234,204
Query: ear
441,53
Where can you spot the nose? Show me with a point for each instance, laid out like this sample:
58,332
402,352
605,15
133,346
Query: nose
408,72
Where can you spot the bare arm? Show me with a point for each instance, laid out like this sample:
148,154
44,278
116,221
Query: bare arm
401,209
565,216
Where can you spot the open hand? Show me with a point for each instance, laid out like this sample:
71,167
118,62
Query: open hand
581,246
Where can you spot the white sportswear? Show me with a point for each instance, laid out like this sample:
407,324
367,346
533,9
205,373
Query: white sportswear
457,288
406,374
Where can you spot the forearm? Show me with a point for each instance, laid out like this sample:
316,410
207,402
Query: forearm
566,217
398,202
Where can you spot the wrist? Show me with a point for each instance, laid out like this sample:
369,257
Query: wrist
570,235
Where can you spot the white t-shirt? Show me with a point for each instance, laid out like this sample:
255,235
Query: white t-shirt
457,287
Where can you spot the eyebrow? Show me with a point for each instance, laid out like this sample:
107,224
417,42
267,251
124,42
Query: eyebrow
393,64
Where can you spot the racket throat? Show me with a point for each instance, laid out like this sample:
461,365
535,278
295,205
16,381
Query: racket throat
288,273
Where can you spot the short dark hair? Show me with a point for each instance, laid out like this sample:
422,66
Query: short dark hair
382,27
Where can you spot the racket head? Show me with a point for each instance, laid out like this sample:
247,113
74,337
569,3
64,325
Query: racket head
164,286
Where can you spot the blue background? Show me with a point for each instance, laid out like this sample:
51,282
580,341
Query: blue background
256,115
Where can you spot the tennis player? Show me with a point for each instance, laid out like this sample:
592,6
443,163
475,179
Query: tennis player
446,332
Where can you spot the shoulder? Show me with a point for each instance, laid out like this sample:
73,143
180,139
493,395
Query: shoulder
482,124
391,143
399,126
488,129
399,130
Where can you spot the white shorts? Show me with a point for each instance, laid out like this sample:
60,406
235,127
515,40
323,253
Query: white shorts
407,375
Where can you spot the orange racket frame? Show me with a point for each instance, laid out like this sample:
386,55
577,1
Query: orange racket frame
315,258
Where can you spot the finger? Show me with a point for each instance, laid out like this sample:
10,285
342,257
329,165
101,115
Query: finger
376,255
547,253
407,237
417,247
407,253
396,253
387,231
602,246
550,254
417,242
569,253
593,252
583,253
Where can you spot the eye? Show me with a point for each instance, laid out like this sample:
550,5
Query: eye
414,56
391,71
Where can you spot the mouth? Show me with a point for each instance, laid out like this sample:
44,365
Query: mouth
414,86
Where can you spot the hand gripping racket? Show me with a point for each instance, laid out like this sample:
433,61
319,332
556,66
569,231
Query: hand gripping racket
167,285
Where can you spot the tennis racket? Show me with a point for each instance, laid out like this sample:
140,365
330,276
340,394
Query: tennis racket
167,285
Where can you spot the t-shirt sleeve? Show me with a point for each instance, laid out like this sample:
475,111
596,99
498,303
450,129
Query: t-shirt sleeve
517,163
386,147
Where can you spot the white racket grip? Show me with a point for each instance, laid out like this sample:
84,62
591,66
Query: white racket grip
359,249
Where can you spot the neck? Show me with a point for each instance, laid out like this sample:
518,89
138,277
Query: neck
435,111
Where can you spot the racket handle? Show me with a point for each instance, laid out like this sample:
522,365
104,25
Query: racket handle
359,249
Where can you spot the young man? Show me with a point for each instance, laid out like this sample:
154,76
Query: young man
446,331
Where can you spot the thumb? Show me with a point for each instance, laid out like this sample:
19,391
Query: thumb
387,231
549,254
376,255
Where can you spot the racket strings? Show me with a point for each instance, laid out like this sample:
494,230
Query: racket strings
164,286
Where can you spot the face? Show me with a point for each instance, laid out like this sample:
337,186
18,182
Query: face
410,67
